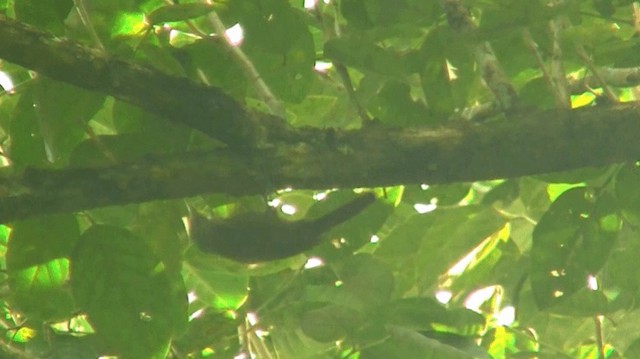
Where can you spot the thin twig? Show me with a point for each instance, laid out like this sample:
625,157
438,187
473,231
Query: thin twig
243,336
100,144
86,21
636,17
597,320
259,348
617,77
636,26
533,47
596,74
558,75
331,32
250,71
490,69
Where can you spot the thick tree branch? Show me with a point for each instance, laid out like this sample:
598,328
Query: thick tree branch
530,143
375,156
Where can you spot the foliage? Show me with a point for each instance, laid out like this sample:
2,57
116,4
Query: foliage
539,266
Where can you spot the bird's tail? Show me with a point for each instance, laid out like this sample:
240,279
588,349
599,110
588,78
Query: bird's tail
344,213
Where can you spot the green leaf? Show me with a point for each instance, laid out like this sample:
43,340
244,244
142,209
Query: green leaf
294,343
355,11
161,226
425,314
61,346
503,342
633,350
435,241
535,92
331,323
447,72
214,286
628,192
451,237
50,121
178,12
571,241
353,51
504,18
448,194
27,144
505,192
134,304
38,266
47,14
395,106
278,43
583,303
63,111
161,58
367,280
406,19
574,176
213,60
405,343
138,134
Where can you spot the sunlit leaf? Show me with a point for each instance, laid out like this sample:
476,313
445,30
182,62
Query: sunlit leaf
38,265
128,24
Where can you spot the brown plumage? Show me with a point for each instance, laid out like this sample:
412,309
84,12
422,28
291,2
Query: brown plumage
261,237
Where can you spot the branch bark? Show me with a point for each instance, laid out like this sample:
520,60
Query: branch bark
530,143
539,142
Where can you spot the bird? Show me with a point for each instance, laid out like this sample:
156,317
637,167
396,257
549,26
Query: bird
263,237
